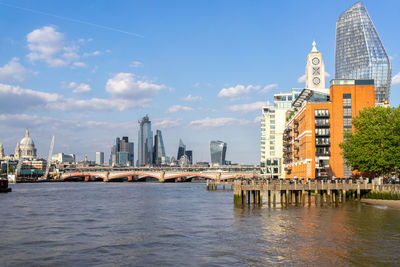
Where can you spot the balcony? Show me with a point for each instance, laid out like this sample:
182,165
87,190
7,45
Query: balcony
322,153
322,124
296,123
321,115
322,144
322,134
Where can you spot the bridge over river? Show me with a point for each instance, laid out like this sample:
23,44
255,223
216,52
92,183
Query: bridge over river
109,174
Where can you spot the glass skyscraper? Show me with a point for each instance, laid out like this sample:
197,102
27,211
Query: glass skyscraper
122,152
159,151
359,52
145,142
218,152
181,149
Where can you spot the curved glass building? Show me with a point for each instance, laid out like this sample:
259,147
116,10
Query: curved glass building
359,52
218,152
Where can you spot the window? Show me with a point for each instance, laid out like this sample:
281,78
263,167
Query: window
346,111
272,142
271,148
272,153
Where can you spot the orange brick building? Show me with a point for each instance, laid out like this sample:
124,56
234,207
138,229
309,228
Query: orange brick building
315,128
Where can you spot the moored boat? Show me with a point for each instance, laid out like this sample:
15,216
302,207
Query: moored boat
4,186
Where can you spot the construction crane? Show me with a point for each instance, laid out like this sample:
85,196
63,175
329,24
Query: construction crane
49,157
19,165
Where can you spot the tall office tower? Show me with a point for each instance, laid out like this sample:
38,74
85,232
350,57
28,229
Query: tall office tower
189,154
218,152
122,152
159,151
181,149
114,160
359,52
273,121
315,69
145,142
99,158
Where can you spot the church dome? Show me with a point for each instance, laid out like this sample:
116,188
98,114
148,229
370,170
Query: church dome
27,146
27,140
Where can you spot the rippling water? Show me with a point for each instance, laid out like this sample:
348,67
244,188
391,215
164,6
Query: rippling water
150,224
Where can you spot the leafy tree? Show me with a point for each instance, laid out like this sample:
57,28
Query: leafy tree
374,145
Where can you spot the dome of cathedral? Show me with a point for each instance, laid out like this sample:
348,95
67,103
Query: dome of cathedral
26,147
26,141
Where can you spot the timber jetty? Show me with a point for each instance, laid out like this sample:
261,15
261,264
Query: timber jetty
292,193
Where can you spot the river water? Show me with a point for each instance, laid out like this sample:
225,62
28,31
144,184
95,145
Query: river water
151,224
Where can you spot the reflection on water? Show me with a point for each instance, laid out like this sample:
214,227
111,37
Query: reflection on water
183,224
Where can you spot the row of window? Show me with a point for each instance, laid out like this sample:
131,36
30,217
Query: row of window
321,113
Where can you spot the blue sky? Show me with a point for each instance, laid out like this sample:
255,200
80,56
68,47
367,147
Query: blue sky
87,71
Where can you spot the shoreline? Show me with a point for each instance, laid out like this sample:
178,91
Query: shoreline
382,202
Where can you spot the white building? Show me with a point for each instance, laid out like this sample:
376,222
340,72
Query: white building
272,126
99,158
63,158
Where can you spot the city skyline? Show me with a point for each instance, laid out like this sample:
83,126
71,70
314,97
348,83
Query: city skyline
207,81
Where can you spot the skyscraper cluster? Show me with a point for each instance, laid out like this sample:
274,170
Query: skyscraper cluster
300,134
122,152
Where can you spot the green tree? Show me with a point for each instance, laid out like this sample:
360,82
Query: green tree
374,145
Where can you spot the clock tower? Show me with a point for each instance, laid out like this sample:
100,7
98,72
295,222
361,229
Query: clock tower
315,69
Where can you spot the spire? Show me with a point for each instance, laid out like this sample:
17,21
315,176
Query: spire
314,47
27,133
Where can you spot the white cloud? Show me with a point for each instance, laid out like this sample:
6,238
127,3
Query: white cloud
191,98
13,71
135,64
166,122
82,88
217,122
88,54
396,79
327,75
257,119
269,87
237,91
177,108
124,85
302,79
48,45
256,106
14,98
80,64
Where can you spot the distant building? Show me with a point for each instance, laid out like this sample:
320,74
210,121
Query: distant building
189,154
203,164
25,149
122,152
145,142
218,152
181,149
159,150
99,158
63,158
359,52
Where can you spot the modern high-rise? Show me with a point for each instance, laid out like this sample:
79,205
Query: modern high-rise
159,150
189,154
181,149
359,52
145,142
122,153
272,126
218,152
99,158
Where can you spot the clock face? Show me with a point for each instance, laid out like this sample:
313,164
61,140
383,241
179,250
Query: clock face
315,61
316,81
